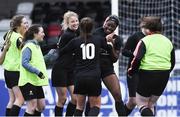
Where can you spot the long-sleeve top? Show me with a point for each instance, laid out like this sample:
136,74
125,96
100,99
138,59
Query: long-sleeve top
67,60
26,57
130,45
139,54
86,54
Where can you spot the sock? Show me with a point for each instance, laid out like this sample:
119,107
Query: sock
70,109
146,112
37,113
120,108
94,111
15,110
128,111
58,111
27,114
78,112
87,108
8,110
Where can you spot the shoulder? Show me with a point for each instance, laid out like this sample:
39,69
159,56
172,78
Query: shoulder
98,30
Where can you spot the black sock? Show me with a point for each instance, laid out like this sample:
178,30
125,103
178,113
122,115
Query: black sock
58,111
120,108
78,112
128,111
146,112
70,109
27,114
94,111
8,110
37,113
15,110
87,109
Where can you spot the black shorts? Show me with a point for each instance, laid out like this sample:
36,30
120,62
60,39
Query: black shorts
90,86
11,78
132,85
62,77
107,67
152,82
30,92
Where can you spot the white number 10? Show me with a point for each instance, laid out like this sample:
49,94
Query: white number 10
88,51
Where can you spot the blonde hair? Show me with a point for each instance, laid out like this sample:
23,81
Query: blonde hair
66,17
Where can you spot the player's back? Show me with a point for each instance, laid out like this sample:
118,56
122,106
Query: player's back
87,55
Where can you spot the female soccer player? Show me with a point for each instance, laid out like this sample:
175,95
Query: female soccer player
62,72
19,25
128,52
33,74
108,57
87,67
154,58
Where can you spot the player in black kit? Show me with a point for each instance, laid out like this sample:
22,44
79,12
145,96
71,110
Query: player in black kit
87,69
62,72
128,52
107,58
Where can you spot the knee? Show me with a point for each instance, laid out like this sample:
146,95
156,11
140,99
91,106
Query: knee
19,102
62,100
41,108
11,100
116,95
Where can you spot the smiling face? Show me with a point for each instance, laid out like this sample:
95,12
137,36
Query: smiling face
109,26
23,26
73,23
40,35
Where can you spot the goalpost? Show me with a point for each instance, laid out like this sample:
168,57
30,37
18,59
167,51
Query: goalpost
114,11
130,11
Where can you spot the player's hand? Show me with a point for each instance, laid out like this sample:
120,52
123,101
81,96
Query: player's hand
7,45
109,38
41,75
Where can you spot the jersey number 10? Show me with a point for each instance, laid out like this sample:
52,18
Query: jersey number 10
88,51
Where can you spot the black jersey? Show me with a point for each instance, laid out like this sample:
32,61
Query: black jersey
106,52
86,55
67,59
131,45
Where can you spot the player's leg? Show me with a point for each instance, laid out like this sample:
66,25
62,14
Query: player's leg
71,107
80,105
142,103
31,107
152,103
40,107
59,81
95,104
62,96
112,83
94,95
19,101
40,101
10,102
132,86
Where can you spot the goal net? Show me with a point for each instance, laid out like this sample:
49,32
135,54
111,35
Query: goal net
130,12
